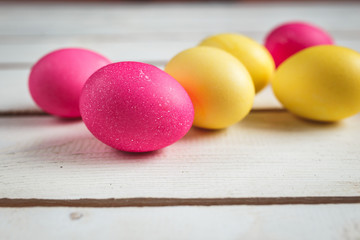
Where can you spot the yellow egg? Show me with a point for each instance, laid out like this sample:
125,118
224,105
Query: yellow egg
320,83
219,86
255,57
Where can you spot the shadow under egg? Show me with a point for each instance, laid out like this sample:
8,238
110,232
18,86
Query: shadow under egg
283,121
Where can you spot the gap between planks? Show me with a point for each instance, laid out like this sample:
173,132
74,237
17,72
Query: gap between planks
164,202
27,113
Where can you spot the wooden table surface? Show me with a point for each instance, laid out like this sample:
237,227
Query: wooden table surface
271,176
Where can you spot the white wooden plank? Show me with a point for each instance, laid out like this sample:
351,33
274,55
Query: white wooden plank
170,17
14,93
159,51
266,155
15,96
125,51
296,222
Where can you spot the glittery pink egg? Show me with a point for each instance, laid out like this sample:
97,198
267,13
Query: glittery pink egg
56,80
289,38
135,107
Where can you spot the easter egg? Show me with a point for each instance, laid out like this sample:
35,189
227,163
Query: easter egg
135,107
289,38
56,80
219,85
320,83
254,56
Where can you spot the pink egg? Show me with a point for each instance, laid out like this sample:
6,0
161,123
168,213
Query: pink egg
289,38
135,107
56,80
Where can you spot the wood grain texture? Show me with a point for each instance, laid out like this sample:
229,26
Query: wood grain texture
269,154
222,222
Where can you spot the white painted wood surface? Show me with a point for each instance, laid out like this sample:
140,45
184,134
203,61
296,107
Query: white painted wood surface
310,222
269,154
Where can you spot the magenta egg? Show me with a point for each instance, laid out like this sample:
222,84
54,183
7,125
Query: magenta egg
135,107
56,80
289,38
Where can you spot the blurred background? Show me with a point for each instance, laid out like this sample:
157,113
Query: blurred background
150,31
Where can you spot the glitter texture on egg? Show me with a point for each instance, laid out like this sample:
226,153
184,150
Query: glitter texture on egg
135,107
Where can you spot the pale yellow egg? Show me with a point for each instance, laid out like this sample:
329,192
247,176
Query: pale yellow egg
320,83
219,86
255,57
